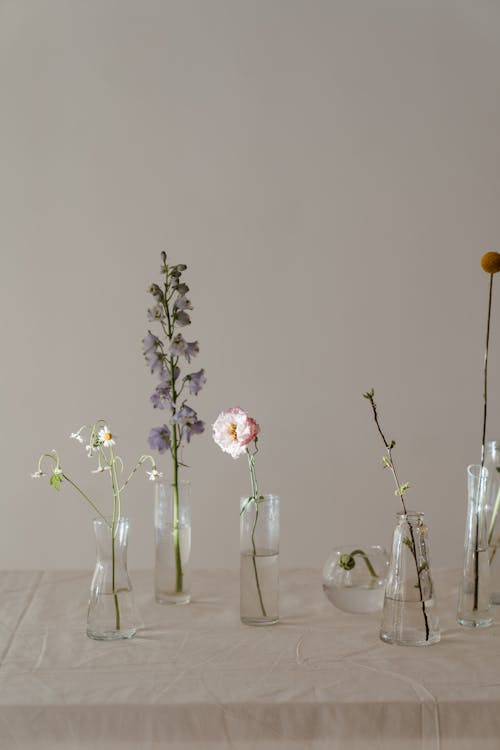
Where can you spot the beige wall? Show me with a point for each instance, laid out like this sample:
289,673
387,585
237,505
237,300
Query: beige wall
330,172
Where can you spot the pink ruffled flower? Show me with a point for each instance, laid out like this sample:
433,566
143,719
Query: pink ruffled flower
233,430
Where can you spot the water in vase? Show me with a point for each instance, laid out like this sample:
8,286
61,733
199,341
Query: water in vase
170,588
259,587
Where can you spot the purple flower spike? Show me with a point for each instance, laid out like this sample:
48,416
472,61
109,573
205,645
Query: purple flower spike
159,438
165,356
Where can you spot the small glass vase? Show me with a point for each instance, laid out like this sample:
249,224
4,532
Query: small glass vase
492,509
474,610
111,613
172,543
259,560
354,578
409,616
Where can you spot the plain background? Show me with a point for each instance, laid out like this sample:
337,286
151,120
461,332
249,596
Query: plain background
330,173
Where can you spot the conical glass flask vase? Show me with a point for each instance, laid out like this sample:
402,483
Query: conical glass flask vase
409,617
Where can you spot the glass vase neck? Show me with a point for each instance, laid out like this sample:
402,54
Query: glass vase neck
410,515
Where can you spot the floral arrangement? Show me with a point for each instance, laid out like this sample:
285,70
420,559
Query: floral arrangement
400,491
99,444
164,357
236,433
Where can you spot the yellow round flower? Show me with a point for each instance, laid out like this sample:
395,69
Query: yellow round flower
490,262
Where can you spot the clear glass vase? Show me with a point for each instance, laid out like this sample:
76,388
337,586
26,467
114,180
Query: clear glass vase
492,509
172,543
409,616
474,610
259,560
111,613
354,578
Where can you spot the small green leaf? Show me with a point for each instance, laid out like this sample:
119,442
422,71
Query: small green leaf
423,567
55,481
392,444
386,461
408,542
401,490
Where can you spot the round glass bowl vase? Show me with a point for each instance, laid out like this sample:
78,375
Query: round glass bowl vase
354,578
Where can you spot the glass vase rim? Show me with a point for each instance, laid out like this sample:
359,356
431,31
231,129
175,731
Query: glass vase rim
341,547
476,471
266,497
109,519
182,482
496,443
401,514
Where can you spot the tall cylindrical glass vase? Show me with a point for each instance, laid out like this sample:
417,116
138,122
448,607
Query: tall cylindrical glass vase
492,510
259,560
172,520
474,609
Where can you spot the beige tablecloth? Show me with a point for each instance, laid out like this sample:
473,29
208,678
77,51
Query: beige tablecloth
194,677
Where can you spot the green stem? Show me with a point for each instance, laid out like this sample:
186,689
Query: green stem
366,560
94,506
177,544
136,467
255,495
116,516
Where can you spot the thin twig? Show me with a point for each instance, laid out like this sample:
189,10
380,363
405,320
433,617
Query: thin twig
390,463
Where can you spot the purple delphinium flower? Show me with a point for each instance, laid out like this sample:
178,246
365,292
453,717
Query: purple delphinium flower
162,397
156,313
159,438
192,349
150,341
152,349
188,420
182,318
180,347
177,345
175,271
182,303
196,381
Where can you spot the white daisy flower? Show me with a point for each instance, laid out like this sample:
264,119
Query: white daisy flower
106,437
154,475
76,436
37,474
